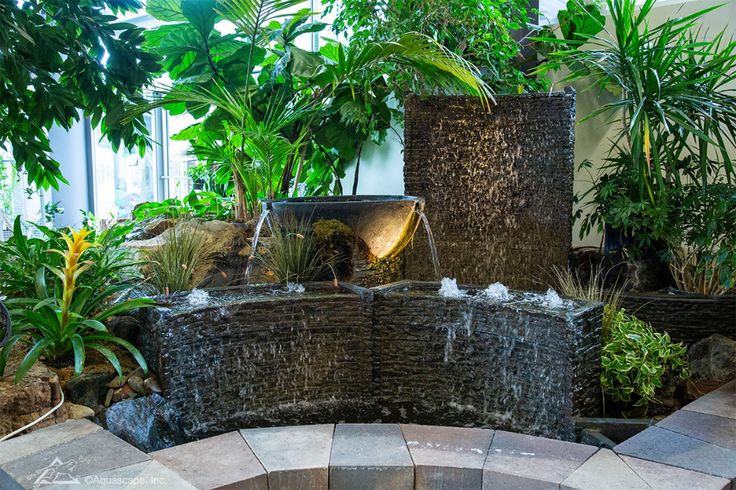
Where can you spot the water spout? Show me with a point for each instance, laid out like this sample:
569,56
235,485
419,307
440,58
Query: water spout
256,235
432,245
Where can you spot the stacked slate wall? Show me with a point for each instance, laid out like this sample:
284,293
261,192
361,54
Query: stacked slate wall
512,366
498,185
397,353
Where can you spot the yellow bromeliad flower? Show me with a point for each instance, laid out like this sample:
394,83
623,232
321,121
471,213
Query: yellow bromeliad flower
77,244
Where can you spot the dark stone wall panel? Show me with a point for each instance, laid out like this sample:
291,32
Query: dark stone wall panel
396,353
497,184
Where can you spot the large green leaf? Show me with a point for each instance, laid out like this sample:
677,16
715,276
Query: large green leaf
166,10
201,15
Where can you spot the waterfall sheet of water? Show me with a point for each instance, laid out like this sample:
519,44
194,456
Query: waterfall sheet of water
432,245
256,235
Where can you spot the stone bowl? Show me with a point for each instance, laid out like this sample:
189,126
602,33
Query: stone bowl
385,223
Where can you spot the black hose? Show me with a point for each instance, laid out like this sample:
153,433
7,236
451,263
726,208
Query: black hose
5,318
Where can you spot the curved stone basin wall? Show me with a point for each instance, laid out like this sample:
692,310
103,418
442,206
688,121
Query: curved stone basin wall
399,353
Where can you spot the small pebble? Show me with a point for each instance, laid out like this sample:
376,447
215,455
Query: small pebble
108,397
152,385
136,383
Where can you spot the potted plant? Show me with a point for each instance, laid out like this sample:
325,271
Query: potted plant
668,185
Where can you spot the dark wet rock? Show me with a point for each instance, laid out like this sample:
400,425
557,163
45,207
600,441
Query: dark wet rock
88,388
149,423
126,327
713,359
394,354
498,185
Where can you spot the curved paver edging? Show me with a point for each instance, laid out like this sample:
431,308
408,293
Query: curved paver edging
353,456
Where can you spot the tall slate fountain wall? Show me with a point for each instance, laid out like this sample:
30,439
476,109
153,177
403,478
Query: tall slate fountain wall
396,353
497,184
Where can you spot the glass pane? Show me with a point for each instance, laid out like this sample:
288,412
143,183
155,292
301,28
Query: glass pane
179,160
16,198
123,179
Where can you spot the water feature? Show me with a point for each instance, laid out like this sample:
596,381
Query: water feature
432,245
256,235
312,353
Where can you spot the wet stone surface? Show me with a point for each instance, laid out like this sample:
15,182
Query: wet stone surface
399,353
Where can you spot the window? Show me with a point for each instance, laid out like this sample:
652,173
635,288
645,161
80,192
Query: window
15,198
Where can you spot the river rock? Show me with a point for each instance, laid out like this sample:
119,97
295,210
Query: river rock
75,411
713,359
136,383
148,422
30,399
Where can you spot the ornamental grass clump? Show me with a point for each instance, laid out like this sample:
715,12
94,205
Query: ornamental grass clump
178,263
636,361
292,254
60,321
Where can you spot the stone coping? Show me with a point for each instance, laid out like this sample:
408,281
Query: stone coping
693,448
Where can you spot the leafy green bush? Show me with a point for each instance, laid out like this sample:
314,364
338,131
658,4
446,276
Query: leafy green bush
481,31
635,360
62,319
196,204
674,112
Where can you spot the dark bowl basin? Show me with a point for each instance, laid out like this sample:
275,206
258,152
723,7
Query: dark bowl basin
385,223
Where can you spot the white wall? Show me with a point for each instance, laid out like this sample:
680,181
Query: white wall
69,148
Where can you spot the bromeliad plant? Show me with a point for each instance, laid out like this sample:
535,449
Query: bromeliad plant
62,321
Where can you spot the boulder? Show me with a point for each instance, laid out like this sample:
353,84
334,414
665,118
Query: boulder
36,394
88,388
713,359
147,422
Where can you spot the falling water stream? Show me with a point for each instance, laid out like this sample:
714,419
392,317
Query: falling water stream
432,245
256,235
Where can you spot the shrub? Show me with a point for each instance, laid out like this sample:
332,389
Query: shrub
62,321
635,359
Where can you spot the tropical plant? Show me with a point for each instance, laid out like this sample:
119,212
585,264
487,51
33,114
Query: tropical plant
675,112
62,322
54,68
26,261
635,360
701,239
177,264
196,204
484,32
274,116
292,254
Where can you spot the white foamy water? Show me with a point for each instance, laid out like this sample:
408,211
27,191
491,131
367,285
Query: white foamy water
449,289
548,300
198,297
497,292
294,287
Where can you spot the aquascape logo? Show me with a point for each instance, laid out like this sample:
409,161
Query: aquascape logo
57,473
